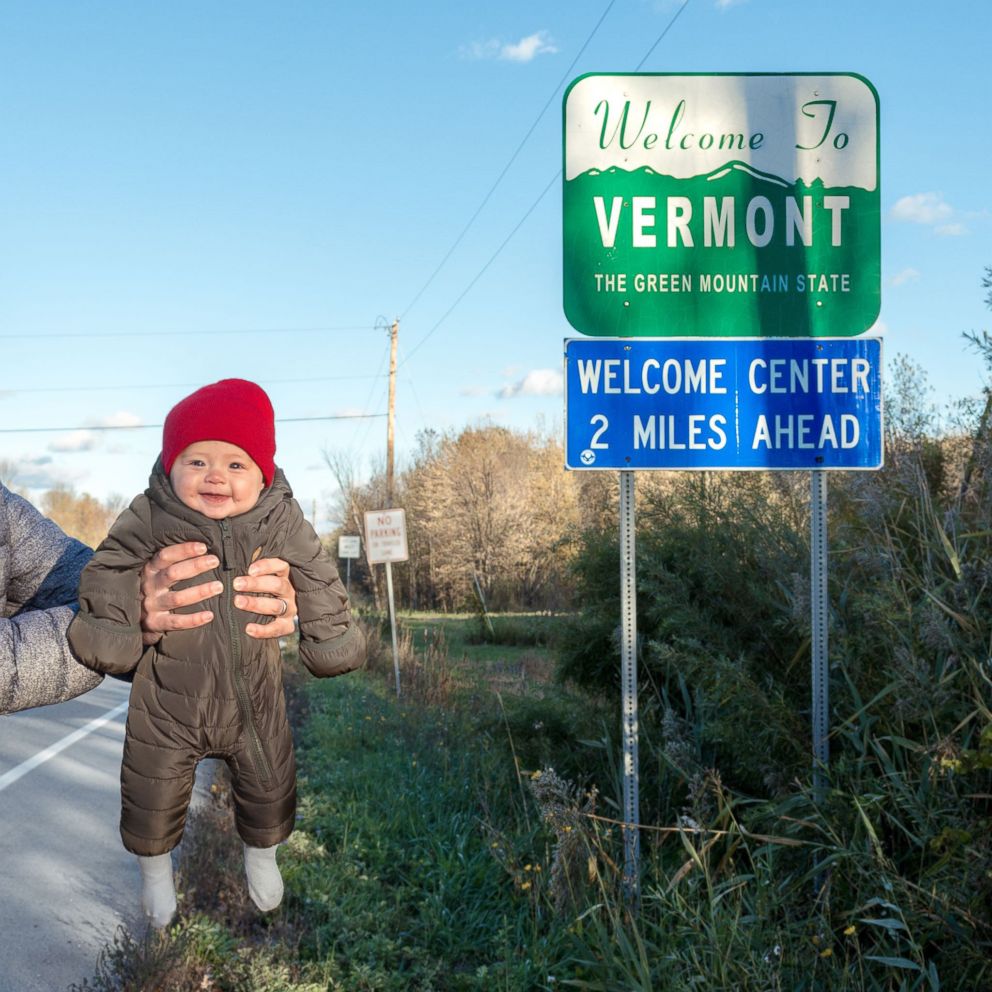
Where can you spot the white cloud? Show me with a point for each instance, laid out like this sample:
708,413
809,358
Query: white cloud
480,50
538,382
473,391
36,472
122,418
74,441
525,50
37,479
724,4
538,43
879,329
92,435
933,211
907,275
922,208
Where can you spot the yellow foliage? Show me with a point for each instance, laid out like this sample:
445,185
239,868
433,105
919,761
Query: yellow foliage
81,516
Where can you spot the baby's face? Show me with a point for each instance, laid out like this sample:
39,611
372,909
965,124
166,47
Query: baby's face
217,478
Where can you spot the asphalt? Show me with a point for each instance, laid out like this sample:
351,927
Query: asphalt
66,882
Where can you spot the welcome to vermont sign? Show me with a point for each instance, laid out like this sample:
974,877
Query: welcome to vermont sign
721,205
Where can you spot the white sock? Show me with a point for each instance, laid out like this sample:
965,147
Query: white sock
264,880
158,892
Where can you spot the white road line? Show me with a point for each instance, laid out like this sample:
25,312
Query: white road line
9,778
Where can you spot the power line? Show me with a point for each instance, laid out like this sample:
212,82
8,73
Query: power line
144,427
416,398
481,272
196,334
657,40
533,206
512,159
173,385
381,323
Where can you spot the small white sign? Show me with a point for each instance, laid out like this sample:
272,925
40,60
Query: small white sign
349,546
385,536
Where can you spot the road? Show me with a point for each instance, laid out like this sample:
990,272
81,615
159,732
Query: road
66,883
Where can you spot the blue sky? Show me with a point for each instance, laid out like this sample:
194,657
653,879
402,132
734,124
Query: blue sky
190,191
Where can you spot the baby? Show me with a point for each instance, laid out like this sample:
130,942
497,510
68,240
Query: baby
212,691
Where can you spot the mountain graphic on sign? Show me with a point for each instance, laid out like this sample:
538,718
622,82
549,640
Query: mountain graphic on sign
738,166
734,167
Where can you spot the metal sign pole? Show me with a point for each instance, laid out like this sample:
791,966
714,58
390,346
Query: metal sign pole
392,624
347,580
628,678
818,589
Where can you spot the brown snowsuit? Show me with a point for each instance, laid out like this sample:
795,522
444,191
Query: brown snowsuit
212,691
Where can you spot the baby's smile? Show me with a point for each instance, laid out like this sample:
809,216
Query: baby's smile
231,480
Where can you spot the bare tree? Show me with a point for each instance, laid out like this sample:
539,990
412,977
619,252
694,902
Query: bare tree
353,500
486,504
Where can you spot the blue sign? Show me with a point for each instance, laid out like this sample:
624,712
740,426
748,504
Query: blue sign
731,403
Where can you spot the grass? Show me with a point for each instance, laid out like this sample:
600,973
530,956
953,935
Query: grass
463,837
402,890
520,642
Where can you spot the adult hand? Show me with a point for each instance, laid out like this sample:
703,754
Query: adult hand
269,576
172,564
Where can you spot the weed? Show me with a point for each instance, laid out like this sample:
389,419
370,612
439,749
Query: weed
426,673
191,956
574,864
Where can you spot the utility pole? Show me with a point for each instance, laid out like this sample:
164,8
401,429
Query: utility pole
394,334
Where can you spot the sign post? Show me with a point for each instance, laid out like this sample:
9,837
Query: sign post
628,689
744,210
349,547
385,542
820,673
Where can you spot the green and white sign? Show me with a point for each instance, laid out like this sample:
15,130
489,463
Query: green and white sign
721,205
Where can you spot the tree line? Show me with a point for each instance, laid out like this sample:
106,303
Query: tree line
486,507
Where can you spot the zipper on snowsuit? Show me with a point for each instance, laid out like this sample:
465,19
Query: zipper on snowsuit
237,670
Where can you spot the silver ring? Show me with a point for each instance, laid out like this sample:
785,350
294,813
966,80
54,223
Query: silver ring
285,607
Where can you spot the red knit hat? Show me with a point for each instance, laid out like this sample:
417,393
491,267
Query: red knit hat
233,410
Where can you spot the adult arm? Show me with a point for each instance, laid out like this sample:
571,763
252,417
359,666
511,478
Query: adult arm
39,574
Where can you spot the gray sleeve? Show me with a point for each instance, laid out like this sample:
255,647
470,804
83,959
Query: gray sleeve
41,574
